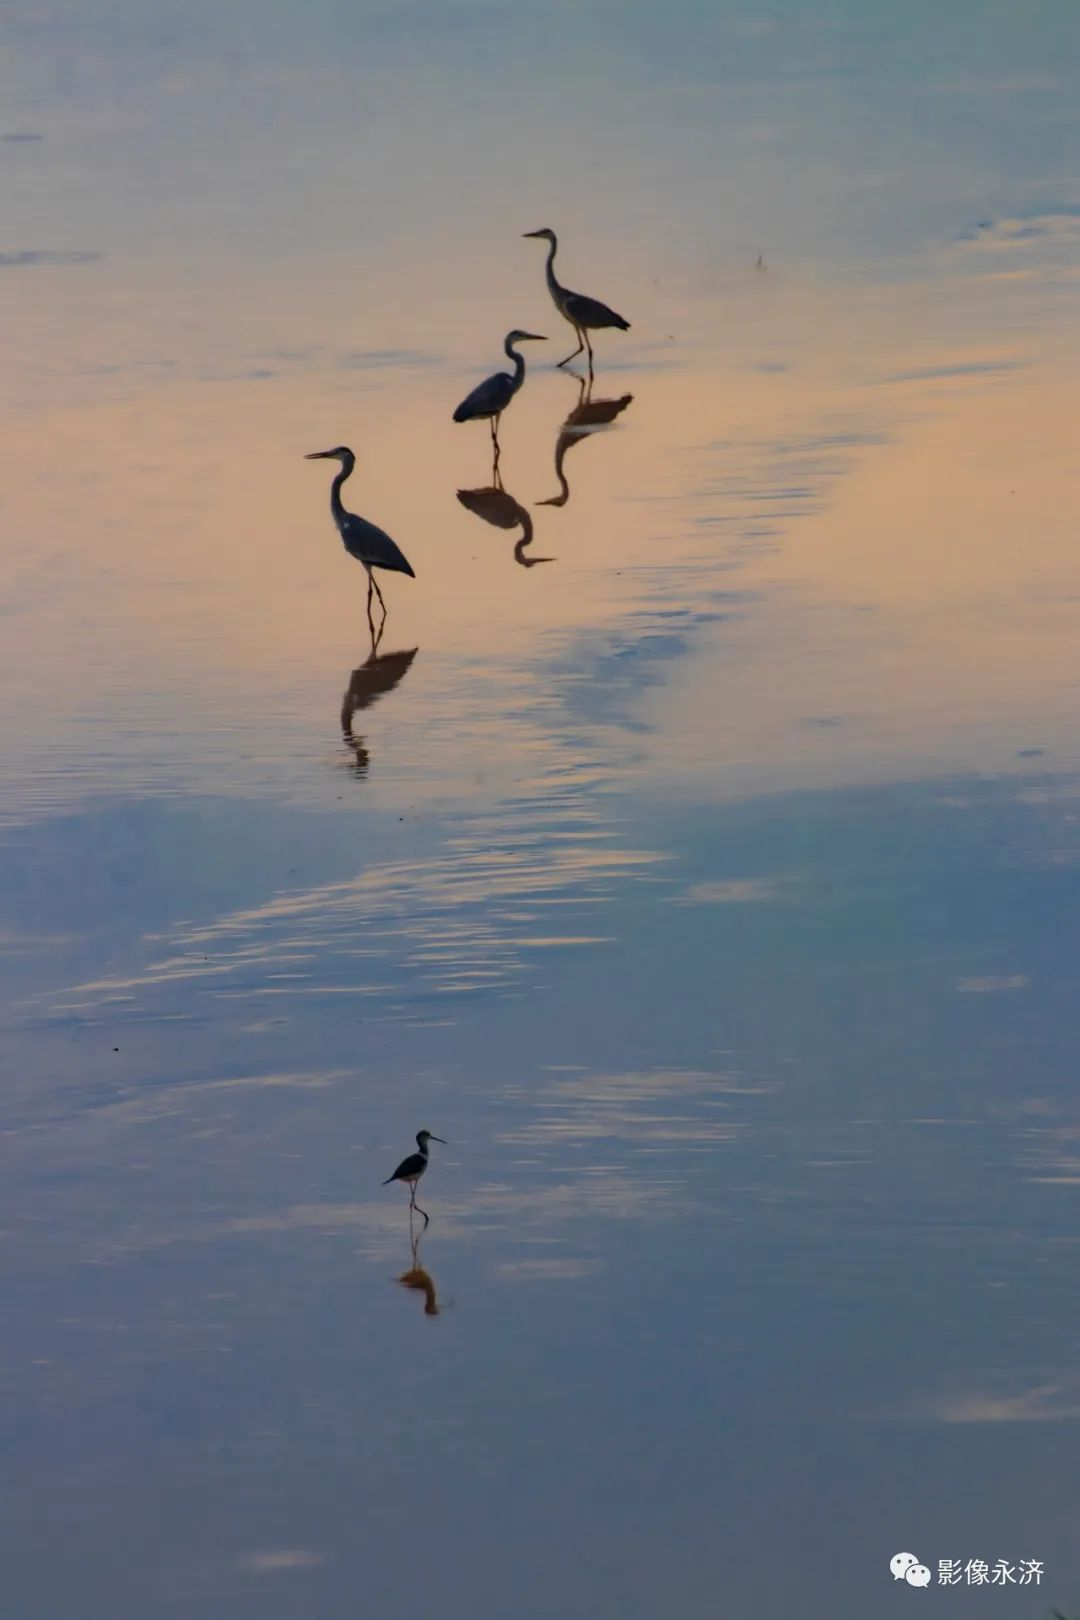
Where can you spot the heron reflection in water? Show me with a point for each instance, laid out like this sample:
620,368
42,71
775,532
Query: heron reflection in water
417,1277
498,507
378,674
587,415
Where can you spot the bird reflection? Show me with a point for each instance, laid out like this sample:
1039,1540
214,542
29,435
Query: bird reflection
587,415
497,506
416,1277
379,673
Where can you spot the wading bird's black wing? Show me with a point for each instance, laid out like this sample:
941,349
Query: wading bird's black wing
592,313
408,1169
487,398
369,544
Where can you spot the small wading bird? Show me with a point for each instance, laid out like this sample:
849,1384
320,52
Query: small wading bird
584,314
411,1169
490,398
363,540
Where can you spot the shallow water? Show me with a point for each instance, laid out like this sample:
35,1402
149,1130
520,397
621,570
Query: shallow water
710,881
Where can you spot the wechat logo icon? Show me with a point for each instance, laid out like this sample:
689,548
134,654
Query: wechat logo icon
906,1567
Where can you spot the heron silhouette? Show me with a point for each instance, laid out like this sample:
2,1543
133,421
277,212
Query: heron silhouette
365,541
495,505
584,314
586,417
377,675
490,398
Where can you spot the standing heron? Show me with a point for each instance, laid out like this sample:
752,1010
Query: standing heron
584,314
363,540
411,1169
490,398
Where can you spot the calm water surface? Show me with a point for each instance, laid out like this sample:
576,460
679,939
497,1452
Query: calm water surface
698,851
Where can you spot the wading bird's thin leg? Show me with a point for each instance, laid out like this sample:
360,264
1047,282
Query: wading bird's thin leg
422,1212
577,351
495,446
378,593
588,345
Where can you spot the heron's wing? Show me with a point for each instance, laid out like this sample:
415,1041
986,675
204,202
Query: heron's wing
487,398
369,544
591,312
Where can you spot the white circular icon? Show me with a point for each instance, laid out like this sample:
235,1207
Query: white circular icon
901,1563
918,1575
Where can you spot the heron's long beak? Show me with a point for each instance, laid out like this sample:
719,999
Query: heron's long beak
536,337
441,1139
532,233
319,455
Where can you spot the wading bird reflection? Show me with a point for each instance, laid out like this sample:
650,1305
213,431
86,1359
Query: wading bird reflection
496,506
584,314
379,673
365,541
417,1277
411,1169
588,415
490,398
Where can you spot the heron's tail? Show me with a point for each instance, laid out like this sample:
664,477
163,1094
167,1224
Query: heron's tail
388,1180
624,326
461,414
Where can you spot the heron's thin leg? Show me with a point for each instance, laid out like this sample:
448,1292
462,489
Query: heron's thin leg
588,345
378,593
422,1212
577,351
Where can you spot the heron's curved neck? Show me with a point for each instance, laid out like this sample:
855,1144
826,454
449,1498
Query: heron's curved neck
565,440
549,269
335,489
519,363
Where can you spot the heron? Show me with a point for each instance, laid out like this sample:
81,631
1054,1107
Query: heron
584,314
411,1169
490,398
586,417
363,540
